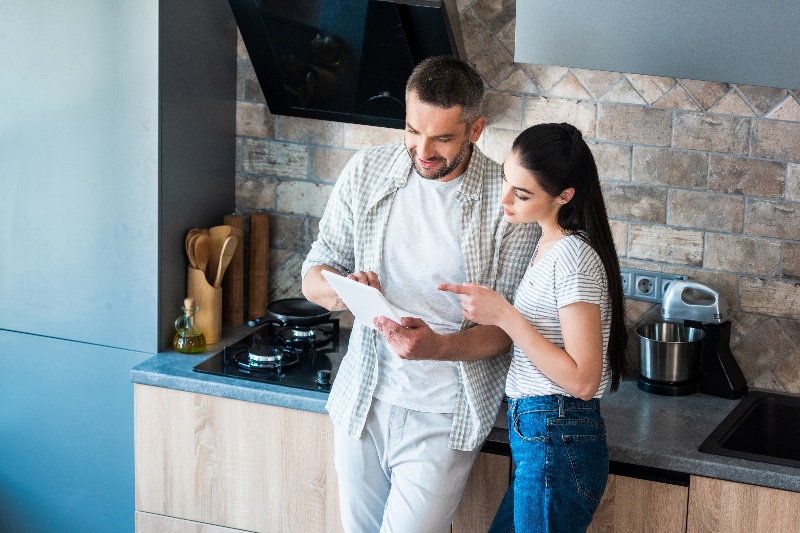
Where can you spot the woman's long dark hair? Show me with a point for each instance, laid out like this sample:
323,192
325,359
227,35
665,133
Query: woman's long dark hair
559,159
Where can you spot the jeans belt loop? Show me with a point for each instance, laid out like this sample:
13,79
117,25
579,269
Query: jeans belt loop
560,406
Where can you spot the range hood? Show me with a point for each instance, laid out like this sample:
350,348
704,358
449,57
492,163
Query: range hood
343,60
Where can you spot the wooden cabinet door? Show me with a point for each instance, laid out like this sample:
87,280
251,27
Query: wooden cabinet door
233,463
154,523
485,489
631,504
724,506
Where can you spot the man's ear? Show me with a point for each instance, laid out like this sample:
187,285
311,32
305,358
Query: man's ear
476,129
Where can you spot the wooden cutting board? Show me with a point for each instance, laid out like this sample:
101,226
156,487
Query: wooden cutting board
259,265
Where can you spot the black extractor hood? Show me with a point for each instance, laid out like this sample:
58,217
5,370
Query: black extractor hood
343,60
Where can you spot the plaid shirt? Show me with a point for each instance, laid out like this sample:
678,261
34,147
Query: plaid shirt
496,254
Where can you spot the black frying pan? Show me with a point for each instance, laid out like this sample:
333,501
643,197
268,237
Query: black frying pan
293,312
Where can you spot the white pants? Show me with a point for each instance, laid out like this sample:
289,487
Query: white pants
400,476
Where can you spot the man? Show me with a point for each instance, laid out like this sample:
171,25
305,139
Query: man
412,406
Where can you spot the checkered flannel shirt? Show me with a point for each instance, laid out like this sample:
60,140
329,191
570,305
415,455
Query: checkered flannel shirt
496,254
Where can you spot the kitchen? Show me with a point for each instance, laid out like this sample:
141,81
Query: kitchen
702,179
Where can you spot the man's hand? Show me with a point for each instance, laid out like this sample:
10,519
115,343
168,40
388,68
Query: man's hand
367,278
413,339
316,288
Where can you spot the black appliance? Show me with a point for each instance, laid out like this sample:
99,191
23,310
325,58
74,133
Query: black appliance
299,356
698,306
720,374
343,60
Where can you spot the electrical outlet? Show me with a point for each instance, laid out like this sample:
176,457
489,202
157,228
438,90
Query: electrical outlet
646,285
627,284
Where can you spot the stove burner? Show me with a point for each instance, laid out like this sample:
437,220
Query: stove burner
260,357
272,359
304,336
302,357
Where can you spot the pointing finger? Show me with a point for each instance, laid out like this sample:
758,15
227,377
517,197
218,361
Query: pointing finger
458,289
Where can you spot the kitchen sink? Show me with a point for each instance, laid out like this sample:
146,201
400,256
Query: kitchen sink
764,427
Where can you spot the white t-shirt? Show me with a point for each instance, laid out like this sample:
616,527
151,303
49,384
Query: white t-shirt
422,249
570,272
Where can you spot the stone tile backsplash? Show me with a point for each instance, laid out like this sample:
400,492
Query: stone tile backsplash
700,178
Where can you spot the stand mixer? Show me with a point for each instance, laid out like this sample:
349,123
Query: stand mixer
698,306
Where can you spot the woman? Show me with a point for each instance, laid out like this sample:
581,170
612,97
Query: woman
567,324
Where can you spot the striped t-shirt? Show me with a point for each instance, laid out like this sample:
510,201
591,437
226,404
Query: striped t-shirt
570,272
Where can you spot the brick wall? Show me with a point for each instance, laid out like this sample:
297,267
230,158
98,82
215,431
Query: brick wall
700,178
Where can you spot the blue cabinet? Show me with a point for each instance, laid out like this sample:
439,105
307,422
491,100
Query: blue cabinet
66,435
117,135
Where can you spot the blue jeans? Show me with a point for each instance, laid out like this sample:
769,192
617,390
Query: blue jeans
560,457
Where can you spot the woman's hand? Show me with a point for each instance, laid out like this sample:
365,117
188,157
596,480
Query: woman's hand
479,304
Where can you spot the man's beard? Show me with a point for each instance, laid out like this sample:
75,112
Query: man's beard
447,168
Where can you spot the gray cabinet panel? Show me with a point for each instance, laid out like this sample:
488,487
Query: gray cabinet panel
198,136
733,41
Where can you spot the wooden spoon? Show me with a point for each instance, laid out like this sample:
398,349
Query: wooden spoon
225,258
217,235
202,250
189,235
190,251
220,233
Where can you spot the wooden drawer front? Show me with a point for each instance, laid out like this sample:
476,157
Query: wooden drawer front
632,504
153,523
724,506
485,489
232,463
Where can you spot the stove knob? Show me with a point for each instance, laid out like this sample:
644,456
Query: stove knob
324,377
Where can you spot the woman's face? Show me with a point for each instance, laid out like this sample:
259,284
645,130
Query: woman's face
523,199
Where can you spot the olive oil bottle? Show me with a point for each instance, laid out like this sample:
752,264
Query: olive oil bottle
188,338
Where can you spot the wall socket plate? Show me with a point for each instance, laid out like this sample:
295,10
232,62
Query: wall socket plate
646,285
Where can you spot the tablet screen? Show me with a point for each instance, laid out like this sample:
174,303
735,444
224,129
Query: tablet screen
365,302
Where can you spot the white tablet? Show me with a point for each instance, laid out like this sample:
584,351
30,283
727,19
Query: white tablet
365,302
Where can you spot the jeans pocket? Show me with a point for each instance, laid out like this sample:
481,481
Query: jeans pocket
530,426
585,446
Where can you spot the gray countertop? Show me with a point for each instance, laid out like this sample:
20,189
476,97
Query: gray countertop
665,432
173,370
644,430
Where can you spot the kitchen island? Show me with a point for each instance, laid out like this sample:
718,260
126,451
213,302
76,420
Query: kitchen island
652,439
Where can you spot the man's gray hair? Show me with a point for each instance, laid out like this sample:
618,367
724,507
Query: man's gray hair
446,81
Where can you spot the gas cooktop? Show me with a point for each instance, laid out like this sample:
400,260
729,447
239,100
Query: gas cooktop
292,356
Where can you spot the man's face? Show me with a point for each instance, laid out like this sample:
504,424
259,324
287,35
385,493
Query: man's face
437,140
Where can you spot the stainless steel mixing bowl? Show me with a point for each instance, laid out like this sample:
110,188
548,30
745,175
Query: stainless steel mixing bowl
669,353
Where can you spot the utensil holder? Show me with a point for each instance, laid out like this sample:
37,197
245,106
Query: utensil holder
208,299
